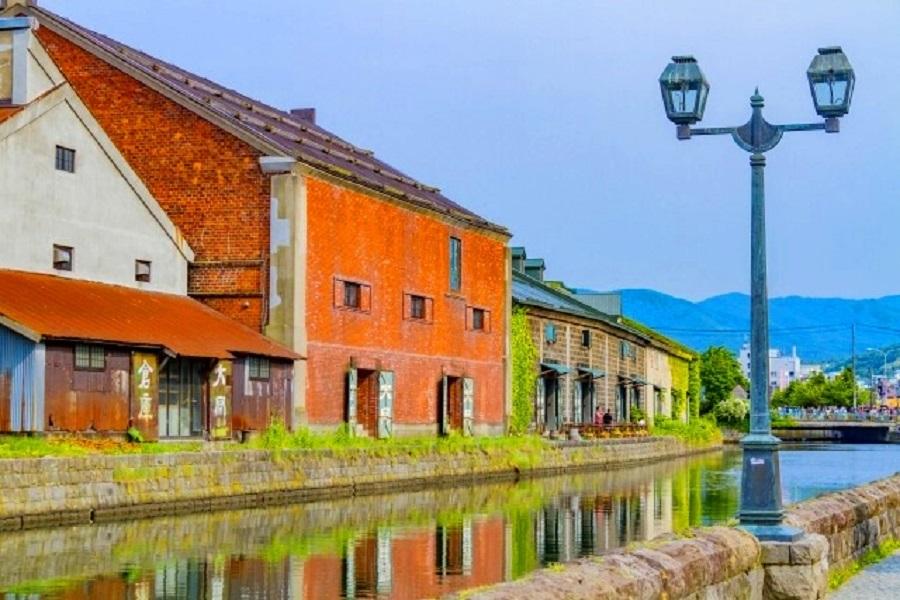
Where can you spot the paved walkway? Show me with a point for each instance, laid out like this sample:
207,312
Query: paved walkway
881,580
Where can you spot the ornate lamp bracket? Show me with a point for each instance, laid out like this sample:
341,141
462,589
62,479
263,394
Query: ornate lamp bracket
757,135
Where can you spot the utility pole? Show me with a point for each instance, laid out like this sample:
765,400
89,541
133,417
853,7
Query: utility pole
853,354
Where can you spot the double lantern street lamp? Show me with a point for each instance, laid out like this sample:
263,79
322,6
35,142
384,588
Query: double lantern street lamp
684,91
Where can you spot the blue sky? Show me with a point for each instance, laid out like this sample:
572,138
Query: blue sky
546,117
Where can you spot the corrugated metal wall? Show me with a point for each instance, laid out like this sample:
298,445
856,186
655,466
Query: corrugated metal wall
22,370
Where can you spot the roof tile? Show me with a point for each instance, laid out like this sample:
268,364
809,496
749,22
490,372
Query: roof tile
299,138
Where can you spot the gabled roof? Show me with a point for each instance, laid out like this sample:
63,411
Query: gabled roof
13,119
47,307
269,129
531,292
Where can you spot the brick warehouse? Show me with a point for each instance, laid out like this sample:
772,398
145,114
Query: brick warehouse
274,207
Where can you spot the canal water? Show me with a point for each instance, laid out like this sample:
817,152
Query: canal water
411,545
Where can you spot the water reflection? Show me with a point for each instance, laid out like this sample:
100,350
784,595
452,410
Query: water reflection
414,545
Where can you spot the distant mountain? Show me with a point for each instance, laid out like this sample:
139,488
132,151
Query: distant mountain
818,327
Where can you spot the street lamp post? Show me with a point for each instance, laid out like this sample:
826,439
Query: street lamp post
684,92
883,376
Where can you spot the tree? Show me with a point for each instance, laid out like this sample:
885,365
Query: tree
817,390
720,373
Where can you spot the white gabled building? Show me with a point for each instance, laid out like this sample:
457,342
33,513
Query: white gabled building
69,203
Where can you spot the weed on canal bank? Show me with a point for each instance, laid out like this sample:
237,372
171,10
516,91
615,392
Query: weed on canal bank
521,450
838,577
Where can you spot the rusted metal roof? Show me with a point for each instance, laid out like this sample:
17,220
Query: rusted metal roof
272,127
47,307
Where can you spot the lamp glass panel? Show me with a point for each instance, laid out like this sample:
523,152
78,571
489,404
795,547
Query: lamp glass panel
830,93
684,100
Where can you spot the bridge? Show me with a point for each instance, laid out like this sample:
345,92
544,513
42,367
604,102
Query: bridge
848,432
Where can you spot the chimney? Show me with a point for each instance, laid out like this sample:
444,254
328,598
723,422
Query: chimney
305,114
534,268
517,253
15,36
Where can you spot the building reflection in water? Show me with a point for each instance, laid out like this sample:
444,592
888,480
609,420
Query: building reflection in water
412,546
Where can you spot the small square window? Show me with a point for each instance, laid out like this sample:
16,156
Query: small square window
65,159
478,319
142,271
550,333
586,338
352,294
258,368
63,257
90,358
417,307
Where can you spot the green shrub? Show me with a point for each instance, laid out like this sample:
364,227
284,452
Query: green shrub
698,432
524,376
731,410
134,435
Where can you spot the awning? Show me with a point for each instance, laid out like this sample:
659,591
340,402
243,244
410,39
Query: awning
592,373
554,369
634,379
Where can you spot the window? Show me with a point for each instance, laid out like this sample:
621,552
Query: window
258,367
6,68
550,333
142,270
417,307
478,319
90,358
586,338
627,350
352,294
65,159
455,264
63,257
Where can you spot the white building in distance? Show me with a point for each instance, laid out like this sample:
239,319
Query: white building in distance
782,369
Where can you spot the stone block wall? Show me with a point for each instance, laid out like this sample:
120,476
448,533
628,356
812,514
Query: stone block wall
721,562
717,563
52,491
853,521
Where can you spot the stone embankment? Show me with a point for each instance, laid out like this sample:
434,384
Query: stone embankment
728,562
56,491
716,563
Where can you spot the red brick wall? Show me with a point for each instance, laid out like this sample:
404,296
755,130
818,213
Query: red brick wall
207,181
398,251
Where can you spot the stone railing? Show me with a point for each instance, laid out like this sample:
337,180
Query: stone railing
718,562
54,491
853,521
729,563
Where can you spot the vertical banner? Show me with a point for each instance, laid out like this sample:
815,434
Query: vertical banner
145,394
352,387
468,406
385,403
220,385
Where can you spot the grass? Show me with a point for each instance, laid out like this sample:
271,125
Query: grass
36,447
520,449
700,432
838,577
